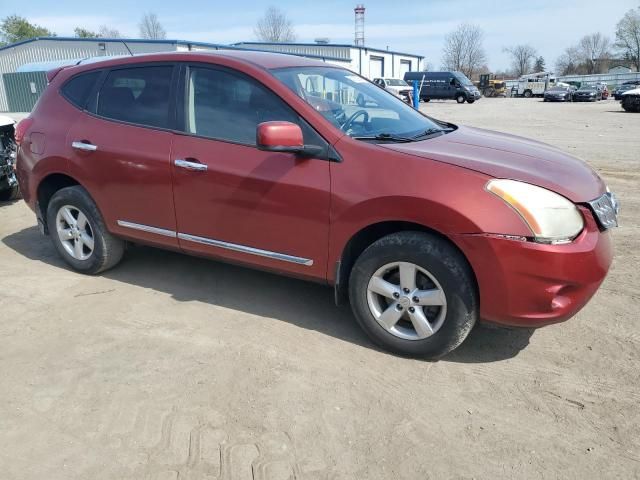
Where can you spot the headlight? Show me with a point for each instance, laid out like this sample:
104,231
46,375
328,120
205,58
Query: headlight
550,217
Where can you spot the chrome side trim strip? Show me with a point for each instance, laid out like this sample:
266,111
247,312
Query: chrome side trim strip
244,249
147,228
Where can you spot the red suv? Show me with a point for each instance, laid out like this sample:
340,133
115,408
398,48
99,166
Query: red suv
271,161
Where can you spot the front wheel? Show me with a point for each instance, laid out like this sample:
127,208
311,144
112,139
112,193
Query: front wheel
78,232
460,98
414,294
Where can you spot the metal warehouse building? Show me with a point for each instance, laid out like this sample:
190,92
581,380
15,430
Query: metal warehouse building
23,65
368,62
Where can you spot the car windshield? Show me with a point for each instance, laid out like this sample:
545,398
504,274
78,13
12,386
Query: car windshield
463,79
358,107
558,89
588,89
395,82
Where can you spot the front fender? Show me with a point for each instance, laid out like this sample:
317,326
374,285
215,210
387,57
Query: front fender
444,198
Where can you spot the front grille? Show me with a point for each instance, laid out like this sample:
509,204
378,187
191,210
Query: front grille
605,210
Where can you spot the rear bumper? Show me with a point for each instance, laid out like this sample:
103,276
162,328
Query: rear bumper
530,284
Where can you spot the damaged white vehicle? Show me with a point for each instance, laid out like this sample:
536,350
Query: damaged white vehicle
9,189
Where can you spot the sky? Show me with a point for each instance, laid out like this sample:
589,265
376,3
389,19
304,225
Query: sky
417,27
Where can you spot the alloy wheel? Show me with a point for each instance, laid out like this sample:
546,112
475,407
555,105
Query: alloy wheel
406,300
75,232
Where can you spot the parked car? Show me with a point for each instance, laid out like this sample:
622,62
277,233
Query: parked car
625,87
558,94
425,226
589,93
444,86
9,189
631,100
397,86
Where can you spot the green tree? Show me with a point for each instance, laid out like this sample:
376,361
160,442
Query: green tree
539,65
84,33
15,29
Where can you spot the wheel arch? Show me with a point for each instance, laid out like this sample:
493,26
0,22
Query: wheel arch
47,187
365,237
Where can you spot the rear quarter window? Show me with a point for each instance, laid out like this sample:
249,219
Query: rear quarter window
78,88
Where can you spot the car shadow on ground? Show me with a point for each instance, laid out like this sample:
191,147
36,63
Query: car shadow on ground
305,304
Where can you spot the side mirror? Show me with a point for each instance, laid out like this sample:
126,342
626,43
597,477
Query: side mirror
284,137
279,137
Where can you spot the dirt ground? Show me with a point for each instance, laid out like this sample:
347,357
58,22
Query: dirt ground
176,367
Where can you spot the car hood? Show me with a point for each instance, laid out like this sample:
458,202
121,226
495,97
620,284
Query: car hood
6,121
508,156
635,91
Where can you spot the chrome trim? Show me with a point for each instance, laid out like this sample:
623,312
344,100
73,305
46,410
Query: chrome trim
195,166
147,228
244,249
87,147
605,209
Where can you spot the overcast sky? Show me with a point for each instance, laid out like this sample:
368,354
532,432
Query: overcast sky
412,26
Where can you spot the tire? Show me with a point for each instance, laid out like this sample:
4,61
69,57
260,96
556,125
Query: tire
460,98
449,274
9,194
107,250
471,100
426,100
528,94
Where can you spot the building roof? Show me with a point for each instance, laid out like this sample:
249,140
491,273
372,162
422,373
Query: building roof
348,45
187,43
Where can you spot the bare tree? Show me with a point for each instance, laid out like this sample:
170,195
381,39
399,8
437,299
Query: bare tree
275,27
569,62
594,52
463,50
108,32
151,28
628,37
522,57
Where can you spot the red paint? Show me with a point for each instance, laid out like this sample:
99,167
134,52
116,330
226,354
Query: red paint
311,208
279,134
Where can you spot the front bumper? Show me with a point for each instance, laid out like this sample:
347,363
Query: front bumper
530,284
554,98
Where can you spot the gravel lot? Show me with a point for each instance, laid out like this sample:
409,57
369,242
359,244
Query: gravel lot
177,367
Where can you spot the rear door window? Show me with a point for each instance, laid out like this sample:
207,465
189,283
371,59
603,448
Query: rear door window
78,88
139,95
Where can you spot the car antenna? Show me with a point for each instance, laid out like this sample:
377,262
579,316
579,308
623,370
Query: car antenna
127,47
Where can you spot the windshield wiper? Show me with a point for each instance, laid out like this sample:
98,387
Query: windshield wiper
389,137
432,131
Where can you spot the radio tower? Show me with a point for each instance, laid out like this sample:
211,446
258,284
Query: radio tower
359,24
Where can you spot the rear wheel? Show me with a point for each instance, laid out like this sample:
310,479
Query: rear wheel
414,294
78,232
528,94
460,98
